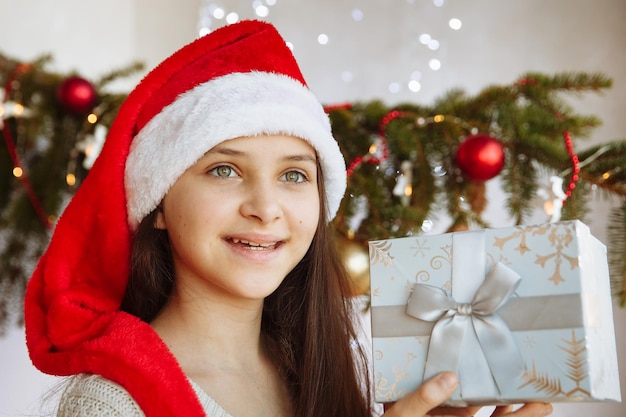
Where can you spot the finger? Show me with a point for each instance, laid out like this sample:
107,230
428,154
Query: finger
530,410
387,406
502,410
431,394
454,411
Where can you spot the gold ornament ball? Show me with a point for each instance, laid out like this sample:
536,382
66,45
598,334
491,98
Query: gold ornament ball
355,258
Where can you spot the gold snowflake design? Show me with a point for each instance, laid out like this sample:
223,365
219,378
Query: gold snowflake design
560,238
559,235
576,371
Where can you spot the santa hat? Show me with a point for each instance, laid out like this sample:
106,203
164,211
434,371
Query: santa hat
240,80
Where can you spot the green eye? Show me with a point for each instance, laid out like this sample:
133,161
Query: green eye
294,176
223,171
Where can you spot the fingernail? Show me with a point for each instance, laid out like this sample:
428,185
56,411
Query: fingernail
448,380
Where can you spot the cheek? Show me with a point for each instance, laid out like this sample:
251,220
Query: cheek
182,212
308,215
190,226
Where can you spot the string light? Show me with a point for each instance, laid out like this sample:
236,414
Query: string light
232,17
424,38
322,39
211,12
415,86
394,87
262,10
219,13
70,179
455,24
434,64
433,45
357,15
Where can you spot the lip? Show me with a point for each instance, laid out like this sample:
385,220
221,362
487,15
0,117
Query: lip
258,243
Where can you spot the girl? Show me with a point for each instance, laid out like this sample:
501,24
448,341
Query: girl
194,273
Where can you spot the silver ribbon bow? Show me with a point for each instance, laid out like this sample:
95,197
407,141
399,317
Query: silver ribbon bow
453,322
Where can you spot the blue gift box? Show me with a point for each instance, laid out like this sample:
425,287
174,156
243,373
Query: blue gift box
519,313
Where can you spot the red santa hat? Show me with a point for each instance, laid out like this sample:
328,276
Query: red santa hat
240,80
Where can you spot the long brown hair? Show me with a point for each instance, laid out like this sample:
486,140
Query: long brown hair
151,276
307,322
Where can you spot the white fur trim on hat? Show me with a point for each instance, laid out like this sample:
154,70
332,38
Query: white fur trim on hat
227,107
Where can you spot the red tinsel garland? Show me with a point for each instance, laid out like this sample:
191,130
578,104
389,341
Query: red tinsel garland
575,164
8,139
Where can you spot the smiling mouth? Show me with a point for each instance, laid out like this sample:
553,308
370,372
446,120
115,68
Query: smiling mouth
253,245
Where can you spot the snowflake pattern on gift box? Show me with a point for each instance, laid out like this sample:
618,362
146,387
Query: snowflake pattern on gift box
530,342
420,248
576,364
560,236
389,391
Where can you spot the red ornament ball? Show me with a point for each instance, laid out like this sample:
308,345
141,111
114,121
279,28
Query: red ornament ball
480,157
76,95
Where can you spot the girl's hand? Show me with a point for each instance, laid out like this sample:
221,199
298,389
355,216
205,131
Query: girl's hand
425,402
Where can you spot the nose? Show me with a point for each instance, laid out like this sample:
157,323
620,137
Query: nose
262,202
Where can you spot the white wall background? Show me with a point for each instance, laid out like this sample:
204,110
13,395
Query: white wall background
499,41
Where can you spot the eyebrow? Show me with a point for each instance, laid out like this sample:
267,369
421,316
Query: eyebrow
301,157
304,157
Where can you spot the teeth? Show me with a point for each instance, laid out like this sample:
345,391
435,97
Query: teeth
254,244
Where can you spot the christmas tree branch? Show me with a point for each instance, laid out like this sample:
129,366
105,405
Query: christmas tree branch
617,252
403,161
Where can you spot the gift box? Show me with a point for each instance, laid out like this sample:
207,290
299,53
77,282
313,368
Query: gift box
518,313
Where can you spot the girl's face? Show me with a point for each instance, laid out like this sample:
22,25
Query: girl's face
243,216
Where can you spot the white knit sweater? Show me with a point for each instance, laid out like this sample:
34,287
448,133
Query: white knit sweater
95,396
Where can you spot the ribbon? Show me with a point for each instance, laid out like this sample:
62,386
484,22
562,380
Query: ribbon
458,325
521,314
